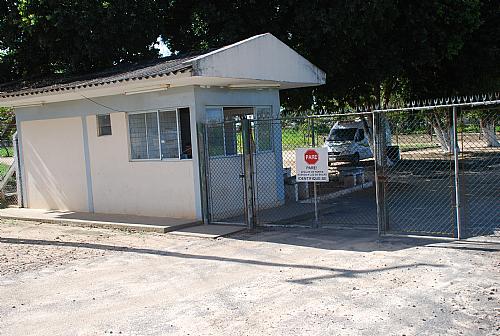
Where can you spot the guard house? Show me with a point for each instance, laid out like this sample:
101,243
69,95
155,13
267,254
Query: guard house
124,141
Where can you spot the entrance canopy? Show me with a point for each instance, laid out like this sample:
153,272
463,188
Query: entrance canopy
259,62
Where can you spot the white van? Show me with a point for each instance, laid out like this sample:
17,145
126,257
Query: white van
347,141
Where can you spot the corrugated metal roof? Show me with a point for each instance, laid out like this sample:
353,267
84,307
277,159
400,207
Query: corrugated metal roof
120,73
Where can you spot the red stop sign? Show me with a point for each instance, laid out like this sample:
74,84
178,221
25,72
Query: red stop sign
311,156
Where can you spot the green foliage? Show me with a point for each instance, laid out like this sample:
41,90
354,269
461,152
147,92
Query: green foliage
6,151
41,37
372,51
7,125
3,169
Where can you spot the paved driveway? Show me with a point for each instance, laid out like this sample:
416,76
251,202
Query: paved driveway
57,280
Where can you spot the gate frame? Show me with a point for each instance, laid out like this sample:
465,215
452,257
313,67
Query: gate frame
379,154
453,103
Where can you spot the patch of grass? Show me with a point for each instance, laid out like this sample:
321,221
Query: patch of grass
416,146
6,152
3,169
295,138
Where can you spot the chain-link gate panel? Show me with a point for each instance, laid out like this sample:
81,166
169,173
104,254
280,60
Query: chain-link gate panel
480,172
417,169
8,165
347,200
278,196
225,173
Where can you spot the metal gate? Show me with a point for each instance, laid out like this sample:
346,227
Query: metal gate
258,173
430,168
418,184
225,173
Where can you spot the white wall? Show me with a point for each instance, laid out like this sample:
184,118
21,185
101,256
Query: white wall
153,188
53,142
58,177
54,164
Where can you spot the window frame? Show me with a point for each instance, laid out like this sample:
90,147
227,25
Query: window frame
254,109
178,130
98,127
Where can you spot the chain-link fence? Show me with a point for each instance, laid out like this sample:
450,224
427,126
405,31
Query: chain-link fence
346,200
479,164
224,162
430,171
418,177
445,178
8,178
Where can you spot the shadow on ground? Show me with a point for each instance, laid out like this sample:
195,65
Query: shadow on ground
327,239
358,240
333,272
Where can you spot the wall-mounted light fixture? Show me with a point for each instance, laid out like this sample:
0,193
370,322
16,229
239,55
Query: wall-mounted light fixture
254,86
37,104
161,87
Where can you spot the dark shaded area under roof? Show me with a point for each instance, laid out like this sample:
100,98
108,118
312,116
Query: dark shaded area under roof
124,72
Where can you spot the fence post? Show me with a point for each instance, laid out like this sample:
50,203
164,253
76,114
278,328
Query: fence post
248,172
202,163
313,134
456,149
379,154
315,186
17,162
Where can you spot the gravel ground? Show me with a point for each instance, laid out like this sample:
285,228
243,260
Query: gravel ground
57,280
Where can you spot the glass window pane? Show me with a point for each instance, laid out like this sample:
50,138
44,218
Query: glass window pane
103,125
137,133
263,128
215,131
230,137
185,126
153,142
215,139
168,135
214,115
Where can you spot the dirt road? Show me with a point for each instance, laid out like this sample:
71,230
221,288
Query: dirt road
57,280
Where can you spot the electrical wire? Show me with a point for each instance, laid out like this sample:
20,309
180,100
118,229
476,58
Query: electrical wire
128,111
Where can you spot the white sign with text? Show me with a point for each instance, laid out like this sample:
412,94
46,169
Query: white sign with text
311,164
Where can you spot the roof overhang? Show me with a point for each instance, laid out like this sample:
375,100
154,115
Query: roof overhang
259,62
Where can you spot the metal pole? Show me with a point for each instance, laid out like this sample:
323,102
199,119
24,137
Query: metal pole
457,181
379,155
17,162
248,172
203,162
316,215
377,187
313,133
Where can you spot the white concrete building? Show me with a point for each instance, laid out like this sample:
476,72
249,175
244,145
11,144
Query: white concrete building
125,141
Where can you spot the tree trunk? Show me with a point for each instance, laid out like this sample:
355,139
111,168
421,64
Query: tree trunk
487,126
368,128
442,133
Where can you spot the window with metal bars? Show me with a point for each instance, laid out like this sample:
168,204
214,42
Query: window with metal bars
160,135
103,124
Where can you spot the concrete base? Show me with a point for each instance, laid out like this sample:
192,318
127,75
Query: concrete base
110,221
209,231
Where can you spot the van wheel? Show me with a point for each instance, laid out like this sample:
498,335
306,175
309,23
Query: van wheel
355,158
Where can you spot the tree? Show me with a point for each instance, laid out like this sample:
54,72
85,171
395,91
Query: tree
45,37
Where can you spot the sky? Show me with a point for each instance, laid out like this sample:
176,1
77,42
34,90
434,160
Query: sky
162,47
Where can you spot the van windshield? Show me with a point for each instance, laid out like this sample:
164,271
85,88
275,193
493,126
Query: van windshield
342,134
